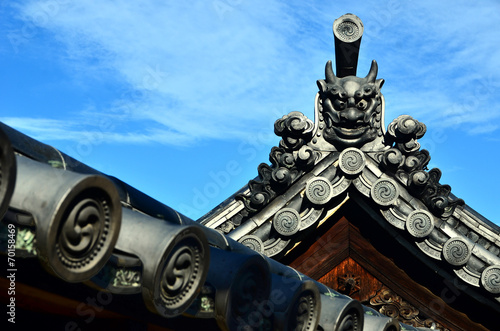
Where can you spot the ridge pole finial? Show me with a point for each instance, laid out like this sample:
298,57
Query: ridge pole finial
347,31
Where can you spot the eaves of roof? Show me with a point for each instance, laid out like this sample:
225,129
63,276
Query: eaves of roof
88,228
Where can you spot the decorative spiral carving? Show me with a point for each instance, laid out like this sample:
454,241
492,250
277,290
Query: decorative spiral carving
419,223
295,129
304,313
306,157
392,159
456,251
180,275
490,278
352,161
419,178
286,221
281,176
350,321
253,242
385,192
249,289
319,190
413,162
405,130
259,198
83,231
347,31
390,311
286,159
180,271
406,125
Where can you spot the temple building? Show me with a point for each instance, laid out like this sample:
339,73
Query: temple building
346,229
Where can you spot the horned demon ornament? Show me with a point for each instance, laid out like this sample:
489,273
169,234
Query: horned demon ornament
350,108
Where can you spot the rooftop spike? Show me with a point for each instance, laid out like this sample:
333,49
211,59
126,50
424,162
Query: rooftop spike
347,30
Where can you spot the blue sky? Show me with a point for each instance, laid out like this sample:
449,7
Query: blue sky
178,99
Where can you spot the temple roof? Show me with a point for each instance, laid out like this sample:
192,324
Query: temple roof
391,180
347,154
85,227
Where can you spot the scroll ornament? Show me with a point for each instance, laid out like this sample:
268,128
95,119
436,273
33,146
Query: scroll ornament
409,164
288,162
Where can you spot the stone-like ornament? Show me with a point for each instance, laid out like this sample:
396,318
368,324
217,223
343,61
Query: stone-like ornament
352,161
319,190
351,107
252,242
419,223
317,161
295,130
456,251
490,279
385,192
83,233
286,221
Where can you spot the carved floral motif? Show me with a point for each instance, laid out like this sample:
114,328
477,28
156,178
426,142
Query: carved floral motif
349,284
390,304
127,278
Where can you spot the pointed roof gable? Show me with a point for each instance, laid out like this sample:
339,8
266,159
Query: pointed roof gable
347,156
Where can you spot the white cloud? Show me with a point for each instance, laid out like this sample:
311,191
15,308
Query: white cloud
214,69
487,128
57,130
199,62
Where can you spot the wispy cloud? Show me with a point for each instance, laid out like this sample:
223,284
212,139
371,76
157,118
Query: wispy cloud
56,130
214,69
199,64
486,128
440,63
